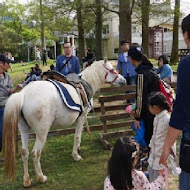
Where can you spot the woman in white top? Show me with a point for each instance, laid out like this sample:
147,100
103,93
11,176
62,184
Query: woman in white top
38,57
159,106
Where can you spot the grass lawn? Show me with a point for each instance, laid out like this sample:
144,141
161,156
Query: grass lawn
57,163
62,171
17,75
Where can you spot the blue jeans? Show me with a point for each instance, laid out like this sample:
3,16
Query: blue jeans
35,78
184,181
131,81
32,78
1,126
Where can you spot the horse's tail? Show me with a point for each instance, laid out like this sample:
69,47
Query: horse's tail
10,132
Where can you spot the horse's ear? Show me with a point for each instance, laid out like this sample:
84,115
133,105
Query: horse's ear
105,60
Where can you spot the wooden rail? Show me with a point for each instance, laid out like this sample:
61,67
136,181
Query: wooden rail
106,117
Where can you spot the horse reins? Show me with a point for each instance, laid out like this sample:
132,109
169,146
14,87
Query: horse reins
111,71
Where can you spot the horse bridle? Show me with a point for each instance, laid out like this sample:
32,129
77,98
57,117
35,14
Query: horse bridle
111,71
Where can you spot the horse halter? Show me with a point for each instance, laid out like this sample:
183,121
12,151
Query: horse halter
113,72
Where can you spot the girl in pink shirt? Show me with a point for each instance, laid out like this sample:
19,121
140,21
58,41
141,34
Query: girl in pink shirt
122,172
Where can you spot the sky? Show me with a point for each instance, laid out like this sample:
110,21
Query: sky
185,5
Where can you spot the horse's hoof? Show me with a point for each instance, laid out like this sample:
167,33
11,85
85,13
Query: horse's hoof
27,183
42,179
77,157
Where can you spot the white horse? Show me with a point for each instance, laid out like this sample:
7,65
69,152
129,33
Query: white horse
39,106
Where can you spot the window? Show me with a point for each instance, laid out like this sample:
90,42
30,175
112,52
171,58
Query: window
116,50
165,29
105,29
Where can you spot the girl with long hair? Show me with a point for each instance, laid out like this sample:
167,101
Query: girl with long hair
122,174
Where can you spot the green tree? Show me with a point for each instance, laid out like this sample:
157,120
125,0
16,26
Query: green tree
9,39
99,21
11,25
80,25
48,17
145,8
124,12
174,54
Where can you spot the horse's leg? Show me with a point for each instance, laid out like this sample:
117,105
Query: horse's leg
36,152
24,131
77,138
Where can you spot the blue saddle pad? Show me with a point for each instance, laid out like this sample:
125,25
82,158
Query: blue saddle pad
66,97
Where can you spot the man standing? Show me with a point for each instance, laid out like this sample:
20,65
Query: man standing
7,89
180,118
67,63
44,56
124,66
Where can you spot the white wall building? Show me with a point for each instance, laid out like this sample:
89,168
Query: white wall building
161,17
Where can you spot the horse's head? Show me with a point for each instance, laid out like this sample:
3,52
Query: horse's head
112,76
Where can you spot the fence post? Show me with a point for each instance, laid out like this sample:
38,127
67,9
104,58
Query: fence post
103,113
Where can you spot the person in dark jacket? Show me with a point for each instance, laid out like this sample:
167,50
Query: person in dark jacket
38,71
34,75
147,82
89,59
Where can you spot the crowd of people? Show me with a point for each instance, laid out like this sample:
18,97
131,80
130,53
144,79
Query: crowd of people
161,130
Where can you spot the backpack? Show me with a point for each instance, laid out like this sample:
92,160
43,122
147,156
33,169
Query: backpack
168,92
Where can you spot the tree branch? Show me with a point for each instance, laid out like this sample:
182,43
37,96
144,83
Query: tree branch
111,10
132,6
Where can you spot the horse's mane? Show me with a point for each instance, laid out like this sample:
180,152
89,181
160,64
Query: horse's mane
94,74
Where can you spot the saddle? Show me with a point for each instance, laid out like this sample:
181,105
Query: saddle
82,87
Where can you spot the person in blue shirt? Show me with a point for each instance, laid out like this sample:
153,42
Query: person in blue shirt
180,118
124,67
67,63
164,69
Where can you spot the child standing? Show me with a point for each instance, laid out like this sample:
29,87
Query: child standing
122,172
158,105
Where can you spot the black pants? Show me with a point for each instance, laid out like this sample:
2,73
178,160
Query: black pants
44,61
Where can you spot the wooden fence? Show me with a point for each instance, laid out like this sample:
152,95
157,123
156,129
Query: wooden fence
107,117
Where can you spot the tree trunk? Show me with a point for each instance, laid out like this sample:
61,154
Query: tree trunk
42,25
124,20
99,30
145,8
174,55
81,52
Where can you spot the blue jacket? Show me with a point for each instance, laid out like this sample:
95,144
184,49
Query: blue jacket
126,68
180,118
165,71
71,67
139,137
